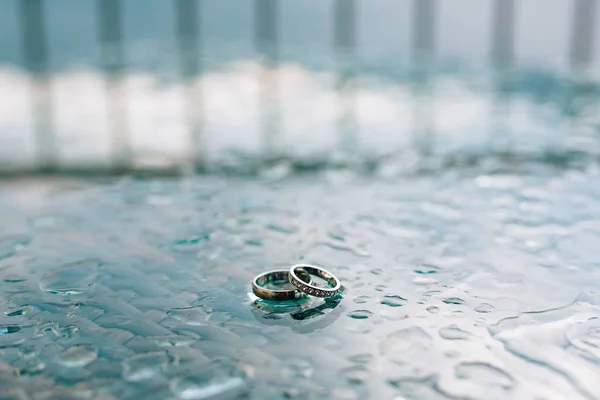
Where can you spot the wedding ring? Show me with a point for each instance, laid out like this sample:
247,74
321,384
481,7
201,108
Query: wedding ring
297,271
280,275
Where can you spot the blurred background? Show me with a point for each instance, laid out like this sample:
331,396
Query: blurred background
394,85
454,185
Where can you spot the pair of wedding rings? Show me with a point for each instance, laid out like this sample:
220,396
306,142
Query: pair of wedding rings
298,275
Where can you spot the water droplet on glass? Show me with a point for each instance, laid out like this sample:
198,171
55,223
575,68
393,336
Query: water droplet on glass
78,356
393,301
425,269
24,310
298,368
69,331
273,316
9,245
363,358
484,374
417,388
424,280
484,308
211,383
173,340
433,309
377,271
404,341
355,375
360,314
144,366
256,242
190,244
453,332
33,367
7,329
453,300
361,299
14,279
71,279
197,315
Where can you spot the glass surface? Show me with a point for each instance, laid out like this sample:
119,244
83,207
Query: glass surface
460,285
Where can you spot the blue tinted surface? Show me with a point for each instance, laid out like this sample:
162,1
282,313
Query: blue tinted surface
463,285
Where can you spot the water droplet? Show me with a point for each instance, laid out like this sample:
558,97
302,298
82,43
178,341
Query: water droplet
173,340
210,251
48,327
453,332
355,375
71,279
405,341
393,301
377,271
361,299
197,315
144,366
424,280
298,368
360,314
273,316
216,381
484,374
14,279
453,300
433,309
69,331
484,308
285,228
33,367
9,245
417,388
24,310
363,358
425,269
256,242
7,329
78,356
392,314
190,244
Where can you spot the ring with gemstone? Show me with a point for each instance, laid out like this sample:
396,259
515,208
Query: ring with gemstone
280,275
297,271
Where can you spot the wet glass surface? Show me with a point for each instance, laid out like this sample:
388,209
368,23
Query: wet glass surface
467,285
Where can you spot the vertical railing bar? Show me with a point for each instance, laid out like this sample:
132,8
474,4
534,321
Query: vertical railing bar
581,54
344,42
35,51
267,37
424,30
582,35
189,40
110,27
423,49
503,17
501,58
